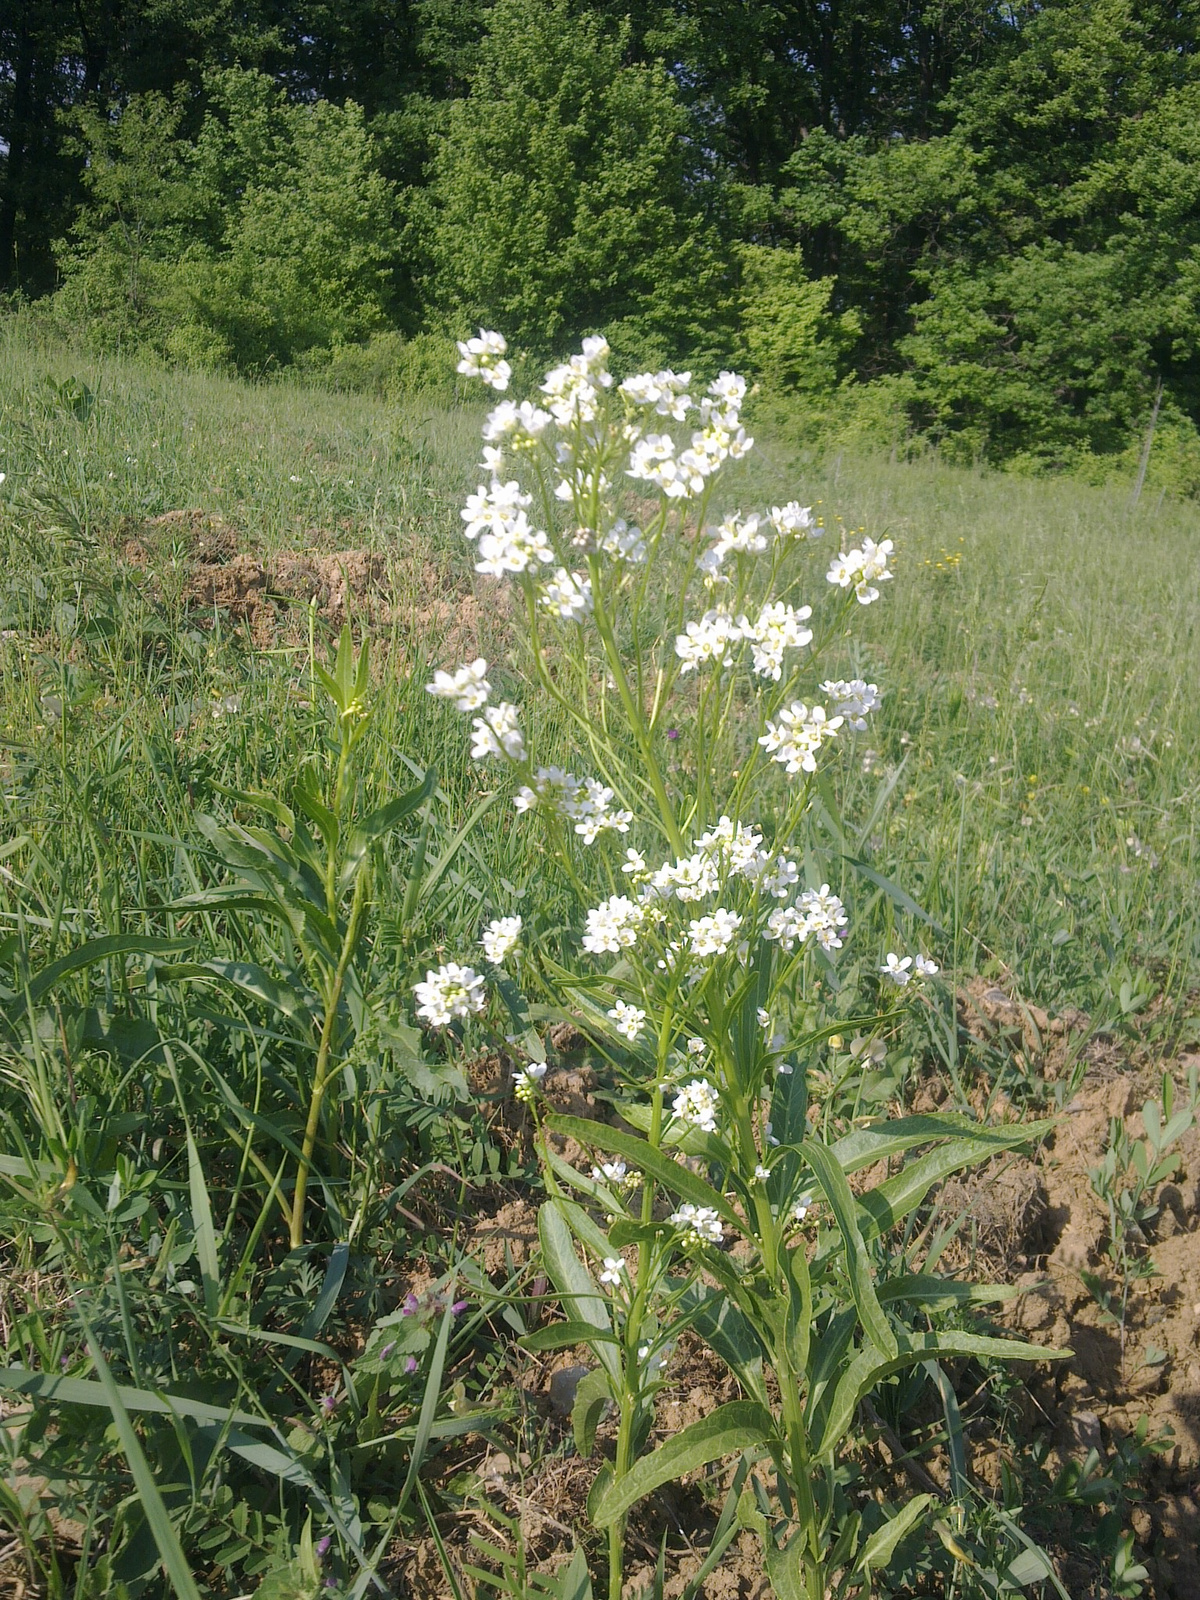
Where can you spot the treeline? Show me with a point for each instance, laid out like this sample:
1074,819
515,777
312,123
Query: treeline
965,221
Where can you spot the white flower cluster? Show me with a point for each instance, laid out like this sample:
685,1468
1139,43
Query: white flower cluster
739,535
521,425
527,1078
696,1103
853,699
500,937
794,521
778,627
497,733
449,993
712,935
862,569
613,925
816,914
508,543
567,596
708,640
901,968
467,686
573,389
794,740
482,358
628,1020
624,542
719,438
583,801
700,1224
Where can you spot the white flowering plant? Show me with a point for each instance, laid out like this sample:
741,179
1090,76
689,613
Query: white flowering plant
678,639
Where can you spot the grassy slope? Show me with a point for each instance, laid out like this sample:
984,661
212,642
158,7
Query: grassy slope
1039,650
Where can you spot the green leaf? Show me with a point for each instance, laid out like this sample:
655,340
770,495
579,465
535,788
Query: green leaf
165,1537
678,1179
591,1396
785,1569
941,1294
565,1335
573,1280
83,1392
729,1334
891,1201
881,1546
882,1140
740,1425
858,1263
382,821
570,1582
894,893
335,1276
87,955
206,1234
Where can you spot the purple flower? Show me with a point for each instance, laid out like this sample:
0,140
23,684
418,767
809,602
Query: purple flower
459,1306
387,1350
323,1544
410,1305
672,733
329,1404
410,1363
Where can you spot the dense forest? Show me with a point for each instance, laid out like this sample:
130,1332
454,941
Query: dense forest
961,221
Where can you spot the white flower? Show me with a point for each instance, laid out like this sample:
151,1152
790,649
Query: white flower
696,1103
613,925
701,1224
924,968
481,359
794,740
628,1020
896,969
573,396
825,915
494,508
624,542
449,993
712,935
514,549
666,391
794,521
696,1047
802,1206
610,1172
583,483
593,813
551,787
567,596
497,733
613,1268
522,423
500,938
690,878
729,388
708,640
769,1136
740,535
652,460
862,569
777,629
761,1173
467,686
777,876
789,925
774,1041
854,698
635,863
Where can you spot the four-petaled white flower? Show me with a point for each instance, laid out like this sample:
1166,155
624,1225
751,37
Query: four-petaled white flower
448,994
853,699
613,1268
628,1020
696,1103
896,968
610,1172
467,686
794,521
613,925
481,358
497,733
567,595
794,740
500,938
712,935
700,1224
862,569
924,968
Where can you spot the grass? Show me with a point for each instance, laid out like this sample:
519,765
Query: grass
1028,782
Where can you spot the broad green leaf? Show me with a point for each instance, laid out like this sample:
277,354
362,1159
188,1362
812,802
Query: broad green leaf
940,1294
729,1334
331,1287
565,1335
785,1569
881,1546
592,1395
891,1201
866,1370
573,1280
678,1179
163,1529
880,1141
382,821
858,1263
255,981
740,1425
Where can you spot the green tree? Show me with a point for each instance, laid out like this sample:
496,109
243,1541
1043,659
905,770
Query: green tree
566,197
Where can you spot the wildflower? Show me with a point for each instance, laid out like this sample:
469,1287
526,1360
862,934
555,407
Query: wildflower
500,938
613,1268
410,1305
776,876
696,1047
761,1173
624,542
481,358
874,1049
410,1364
450,992
777,629
572,396
826,917
712,935
514,549
497,733
707,640
924,968
523,424
459,1306
613,925
567,596
794,521
794,740
527,1078
593,813
802,1207
467,686
666,391
494,508
628,1020
690,878
896,968
769,1136
861,569
610,1172
853,699
696,1103
701,1224
652,460
740,535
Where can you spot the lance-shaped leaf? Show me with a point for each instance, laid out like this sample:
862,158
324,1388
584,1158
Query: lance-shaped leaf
679,1180
881,1546
740,1425
381,822
880,1141
891,1201
858,1263
573,1280
87,955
